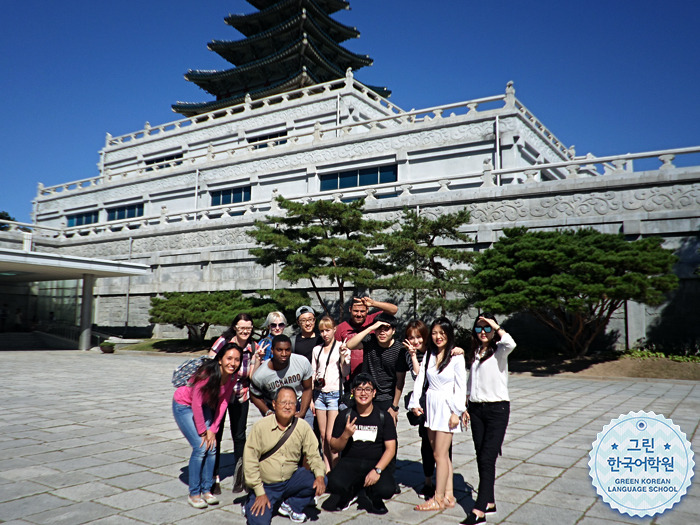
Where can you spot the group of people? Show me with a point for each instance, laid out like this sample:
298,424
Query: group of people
345,381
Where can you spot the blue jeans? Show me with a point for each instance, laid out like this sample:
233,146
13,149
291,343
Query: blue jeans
201,467
297,491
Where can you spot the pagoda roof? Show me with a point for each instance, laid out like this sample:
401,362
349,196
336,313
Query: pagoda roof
296,81
258,22
329,6
241,52
267,71
300,79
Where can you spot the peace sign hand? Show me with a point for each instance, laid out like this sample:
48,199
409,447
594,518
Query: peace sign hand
350,427
411,349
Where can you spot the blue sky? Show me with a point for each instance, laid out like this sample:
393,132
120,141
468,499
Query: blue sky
610,76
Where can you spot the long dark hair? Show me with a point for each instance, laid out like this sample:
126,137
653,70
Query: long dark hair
210,371
446,325
476,344
231,332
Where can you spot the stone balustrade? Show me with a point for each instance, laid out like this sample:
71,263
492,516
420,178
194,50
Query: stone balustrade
397,118
489,177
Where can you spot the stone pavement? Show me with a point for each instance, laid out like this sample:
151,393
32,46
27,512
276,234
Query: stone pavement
90,438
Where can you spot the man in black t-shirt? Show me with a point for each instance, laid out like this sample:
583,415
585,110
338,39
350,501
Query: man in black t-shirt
365,436
384,360
307,339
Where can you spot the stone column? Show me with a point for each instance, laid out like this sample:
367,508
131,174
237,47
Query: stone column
86,312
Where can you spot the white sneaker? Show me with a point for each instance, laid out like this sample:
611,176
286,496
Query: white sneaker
296,517
198,503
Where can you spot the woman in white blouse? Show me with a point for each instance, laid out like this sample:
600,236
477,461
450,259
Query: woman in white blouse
444,406
489,406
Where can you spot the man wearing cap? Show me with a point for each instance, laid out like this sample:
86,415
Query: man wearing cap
384,360
360,318
307,338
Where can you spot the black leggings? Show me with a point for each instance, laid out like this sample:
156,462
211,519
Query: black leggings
489,422
238,416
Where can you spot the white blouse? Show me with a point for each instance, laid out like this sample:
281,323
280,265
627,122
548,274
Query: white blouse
488,380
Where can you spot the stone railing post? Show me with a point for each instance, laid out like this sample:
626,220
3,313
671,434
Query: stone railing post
667,162
510,94
487,175
530,176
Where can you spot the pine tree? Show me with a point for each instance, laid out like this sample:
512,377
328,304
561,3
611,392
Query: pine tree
320,240
427,257
572,281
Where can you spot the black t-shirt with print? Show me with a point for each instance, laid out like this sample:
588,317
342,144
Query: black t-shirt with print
368,440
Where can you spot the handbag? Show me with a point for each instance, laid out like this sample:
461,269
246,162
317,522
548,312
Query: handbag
413,419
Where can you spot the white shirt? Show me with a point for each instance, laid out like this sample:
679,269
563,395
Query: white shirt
488,380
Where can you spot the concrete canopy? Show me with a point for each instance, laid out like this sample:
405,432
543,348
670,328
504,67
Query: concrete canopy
23,266
18,266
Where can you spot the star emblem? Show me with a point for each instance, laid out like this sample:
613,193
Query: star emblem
667,446
614,446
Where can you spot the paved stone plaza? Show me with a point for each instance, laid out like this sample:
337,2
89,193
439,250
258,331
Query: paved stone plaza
90,438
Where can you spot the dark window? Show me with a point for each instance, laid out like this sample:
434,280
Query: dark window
230,196
80,219
125,212
354,178
169,160
265,140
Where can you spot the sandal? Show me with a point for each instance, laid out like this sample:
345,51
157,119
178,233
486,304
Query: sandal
450,502
435,503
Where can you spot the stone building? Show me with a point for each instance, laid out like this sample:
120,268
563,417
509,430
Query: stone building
180,196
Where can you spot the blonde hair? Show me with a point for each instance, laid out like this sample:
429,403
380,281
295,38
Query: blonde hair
326,322
272,316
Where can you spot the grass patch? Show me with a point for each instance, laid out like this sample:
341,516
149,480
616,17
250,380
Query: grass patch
169,346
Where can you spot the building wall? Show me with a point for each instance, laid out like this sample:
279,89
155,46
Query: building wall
446,159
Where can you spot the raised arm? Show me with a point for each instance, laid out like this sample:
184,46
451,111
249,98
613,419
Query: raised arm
356,340
385,307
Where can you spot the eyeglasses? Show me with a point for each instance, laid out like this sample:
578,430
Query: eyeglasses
286,403
277,325
365,390
307,321
478,329
244,329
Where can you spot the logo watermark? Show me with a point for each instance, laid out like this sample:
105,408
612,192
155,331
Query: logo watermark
641,464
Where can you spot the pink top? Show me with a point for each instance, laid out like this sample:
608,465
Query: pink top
242,386
192,396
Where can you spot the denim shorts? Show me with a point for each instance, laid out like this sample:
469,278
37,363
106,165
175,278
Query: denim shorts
326,400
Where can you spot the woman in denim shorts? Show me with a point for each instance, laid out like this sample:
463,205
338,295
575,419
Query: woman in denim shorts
329,363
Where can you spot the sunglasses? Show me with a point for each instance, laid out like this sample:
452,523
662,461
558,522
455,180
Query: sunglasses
487,329
277,325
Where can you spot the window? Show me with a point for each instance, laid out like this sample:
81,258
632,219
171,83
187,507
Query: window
171,160
267,139
362,177
80,219
230,196
125,212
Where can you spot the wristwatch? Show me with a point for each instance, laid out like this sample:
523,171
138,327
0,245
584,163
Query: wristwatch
378,470
394,408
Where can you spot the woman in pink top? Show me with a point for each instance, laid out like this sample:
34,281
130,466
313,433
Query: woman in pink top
198,408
